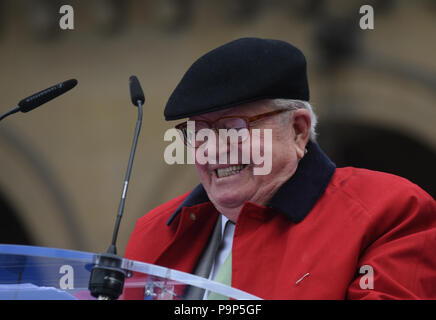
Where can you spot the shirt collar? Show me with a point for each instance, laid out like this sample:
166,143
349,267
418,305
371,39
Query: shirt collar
297,196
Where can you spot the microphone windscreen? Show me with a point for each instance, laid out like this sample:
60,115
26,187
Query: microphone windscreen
37,99
136,92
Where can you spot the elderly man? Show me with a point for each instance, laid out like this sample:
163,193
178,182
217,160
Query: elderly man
305,230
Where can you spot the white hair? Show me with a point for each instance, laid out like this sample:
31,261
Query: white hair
299,104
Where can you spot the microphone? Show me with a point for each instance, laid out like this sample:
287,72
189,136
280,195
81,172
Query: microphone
136,92
137,97
39,98
107,276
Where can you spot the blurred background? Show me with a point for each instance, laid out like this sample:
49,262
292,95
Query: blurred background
62,165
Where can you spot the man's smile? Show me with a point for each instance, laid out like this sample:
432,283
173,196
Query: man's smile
229,171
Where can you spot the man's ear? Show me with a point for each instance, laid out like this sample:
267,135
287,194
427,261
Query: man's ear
301,123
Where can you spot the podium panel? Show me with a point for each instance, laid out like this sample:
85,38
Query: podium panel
41,273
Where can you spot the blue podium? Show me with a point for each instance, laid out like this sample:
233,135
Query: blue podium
41,273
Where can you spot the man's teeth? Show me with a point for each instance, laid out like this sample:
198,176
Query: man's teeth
229,171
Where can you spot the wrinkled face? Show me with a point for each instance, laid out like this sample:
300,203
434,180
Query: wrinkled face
229,186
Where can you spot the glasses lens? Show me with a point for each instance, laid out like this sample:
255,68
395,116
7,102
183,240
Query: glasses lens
200,137
189,131
199,125
182,130
234,128
231,123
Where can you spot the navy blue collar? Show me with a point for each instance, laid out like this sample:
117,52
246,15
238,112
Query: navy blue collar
297,196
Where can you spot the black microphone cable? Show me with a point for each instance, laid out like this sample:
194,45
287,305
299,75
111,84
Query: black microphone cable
14,110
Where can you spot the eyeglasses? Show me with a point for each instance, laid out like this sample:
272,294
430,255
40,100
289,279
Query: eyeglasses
240,124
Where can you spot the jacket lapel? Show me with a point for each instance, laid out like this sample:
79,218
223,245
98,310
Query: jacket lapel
194,226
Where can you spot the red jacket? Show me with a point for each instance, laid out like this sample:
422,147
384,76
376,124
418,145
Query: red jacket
358,218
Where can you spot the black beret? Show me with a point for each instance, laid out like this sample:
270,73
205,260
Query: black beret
241,71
